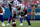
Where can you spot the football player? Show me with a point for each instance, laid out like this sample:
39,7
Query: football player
10,12
25,13
19,9
2,11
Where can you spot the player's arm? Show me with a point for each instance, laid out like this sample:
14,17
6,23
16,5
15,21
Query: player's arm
25,8
3,11
10,5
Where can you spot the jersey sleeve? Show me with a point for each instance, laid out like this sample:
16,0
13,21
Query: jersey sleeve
3,11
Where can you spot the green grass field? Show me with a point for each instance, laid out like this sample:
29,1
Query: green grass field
33,24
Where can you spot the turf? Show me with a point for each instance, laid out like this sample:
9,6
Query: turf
33,24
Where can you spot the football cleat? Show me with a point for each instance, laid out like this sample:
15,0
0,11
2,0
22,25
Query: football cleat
8,24
29,26
21,24
3,24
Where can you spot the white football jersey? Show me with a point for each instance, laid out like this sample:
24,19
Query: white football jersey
16,3
21,9
3,11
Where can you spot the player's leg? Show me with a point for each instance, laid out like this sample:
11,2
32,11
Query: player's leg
27,18
31,14
20,20
28,21
34,14
9,20
13,22
20,16
2,19
10,12
14,17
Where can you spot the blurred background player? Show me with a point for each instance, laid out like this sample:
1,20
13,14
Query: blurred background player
10,12
2,11
33,7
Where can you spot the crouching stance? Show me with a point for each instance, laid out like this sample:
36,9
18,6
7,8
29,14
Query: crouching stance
24,13
20,11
